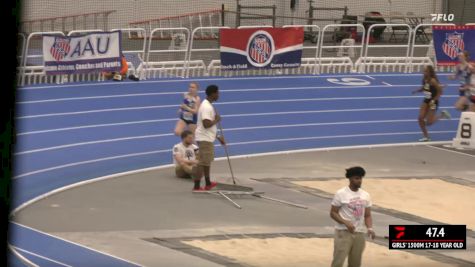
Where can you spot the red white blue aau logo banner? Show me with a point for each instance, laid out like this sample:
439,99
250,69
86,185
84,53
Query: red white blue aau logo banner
261,48
60,48
92,52
453,44
449,41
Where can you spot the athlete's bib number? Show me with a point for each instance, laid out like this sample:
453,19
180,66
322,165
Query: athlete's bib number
187,116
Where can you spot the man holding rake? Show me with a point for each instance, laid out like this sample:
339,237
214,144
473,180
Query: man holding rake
205,135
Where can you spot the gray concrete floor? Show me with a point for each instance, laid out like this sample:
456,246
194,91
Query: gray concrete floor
115,215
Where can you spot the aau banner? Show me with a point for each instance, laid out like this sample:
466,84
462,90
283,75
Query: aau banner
449,41
261,48
91,52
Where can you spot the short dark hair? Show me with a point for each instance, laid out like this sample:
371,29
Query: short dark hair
185,134
355,171
211,89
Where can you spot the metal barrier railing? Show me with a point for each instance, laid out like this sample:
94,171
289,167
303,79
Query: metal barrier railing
407,46
141,35
78,32
253,27
191,49
184,49
332,26
24,66
407,61
316,46
21,51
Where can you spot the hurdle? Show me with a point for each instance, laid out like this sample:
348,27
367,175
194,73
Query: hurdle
240,8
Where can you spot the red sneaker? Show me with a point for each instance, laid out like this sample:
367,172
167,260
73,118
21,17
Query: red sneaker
211,186
198,189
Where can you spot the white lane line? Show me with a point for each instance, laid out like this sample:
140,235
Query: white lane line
22,258
160,167
91,143
333,136
224,103
228,130
453,151
372,78
92,161
224,116
41,257
74,243
169,150
238,90
98,125
222,79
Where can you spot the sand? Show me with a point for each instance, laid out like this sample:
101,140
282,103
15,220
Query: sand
303,252
434,199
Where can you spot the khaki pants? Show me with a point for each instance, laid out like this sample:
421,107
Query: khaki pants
206,153
183,171
348,245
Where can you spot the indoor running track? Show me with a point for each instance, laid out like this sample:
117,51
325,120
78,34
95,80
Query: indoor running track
75,132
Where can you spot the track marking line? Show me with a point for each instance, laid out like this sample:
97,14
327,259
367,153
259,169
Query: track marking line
224,116
388,84
41,257
225,103
169,150
223,78
74,243
91,161
91,143
372,78
230,129
453,151
238,90
160,167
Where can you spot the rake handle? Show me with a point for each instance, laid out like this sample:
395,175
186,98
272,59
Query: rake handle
227,153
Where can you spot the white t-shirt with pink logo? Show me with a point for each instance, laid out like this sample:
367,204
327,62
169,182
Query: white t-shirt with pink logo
352,207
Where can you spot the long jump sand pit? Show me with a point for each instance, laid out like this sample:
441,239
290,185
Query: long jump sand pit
304,252
433,199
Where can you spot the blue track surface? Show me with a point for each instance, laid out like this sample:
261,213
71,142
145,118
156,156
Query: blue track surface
71,133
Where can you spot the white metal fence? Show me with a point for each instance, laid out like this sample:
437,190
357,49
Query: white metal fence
154,63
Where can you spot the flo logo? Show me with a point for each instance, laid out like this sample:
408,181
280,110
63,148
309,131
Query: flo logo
260,49
442,17
400,231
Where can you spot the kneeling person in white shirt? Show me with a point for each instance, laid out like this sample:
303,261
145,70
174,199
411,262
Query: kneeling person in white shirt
184,155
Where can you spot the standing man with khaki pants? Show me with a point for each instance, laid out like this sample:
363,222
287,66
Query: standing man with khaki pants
351,209
205,135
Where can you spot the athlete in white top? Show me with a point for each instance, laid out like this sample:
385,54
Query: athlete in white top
184,155
463,74
351,210
205,135
469,89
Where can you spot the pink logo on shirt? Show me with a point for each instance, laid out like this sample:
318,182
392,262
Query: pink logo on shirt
357,207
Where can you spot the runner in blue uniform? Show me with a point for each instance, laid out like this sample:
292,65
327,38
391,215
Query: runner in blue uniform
188,110
428,110
463,74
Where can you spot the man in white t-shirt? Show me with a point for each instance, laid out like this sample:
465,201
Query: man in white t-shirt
206,133
184,155
351,209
